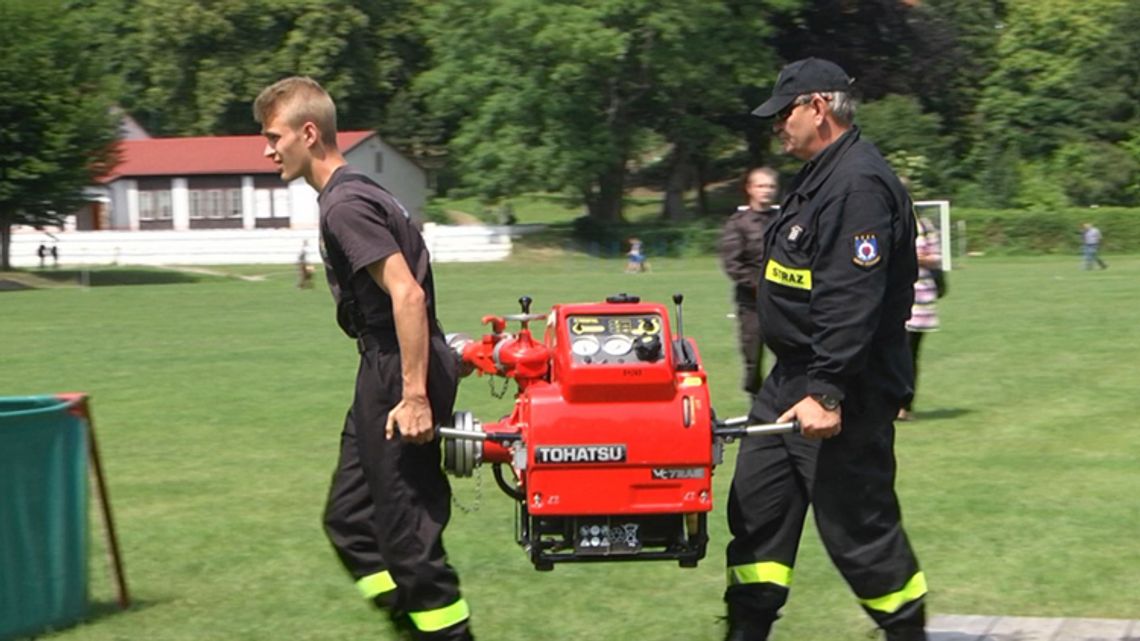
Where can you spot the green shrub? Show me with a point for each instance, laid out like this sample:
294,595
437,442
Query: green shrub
1038,230
692,238
1017,231
1094,172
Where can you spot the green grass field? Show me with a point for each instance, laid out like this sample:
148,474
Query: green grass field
218,404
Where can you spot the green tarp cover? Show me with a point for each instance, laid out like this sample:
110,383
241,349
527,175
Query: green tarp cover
43,515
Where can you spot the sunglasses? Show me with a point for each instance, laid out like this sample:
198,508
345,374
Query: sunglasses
786,112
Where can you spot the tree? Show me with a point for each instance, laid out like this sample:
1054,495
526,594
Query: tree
186,67
1096,173
958,41
1064,82
705,62
556,95
936,51
56,129
1046,90
544,93
888,46
911,139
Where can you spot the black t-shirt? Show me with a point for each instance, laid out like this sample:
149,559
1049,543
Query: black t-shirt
362,223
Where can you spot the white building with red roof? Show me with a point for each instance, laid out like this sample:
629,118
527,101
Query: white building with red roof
226,182
219,201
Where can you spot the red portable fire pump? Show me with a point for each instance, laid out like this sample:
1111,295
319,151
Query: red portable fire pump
612,441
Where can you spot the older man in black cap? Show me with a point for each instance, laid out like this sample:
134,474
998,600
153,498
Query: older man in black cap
833,301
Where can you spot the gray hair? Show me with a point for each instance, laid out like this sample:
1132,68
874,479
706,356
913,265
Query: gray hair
842,106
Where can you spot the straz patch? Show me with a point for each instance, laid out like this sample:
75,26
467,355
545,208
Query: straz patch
866,250
788,276
579,454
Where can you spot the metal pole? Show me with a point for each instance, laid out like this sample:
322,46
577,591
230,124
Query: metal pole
80,406
451,432
962,239
739,428
472,435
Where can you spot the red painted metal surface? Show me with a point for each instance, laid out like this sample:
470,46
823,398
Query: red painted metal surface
607,432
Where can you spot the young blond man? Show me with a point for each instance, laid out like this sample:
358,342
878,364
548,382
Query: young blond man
389,501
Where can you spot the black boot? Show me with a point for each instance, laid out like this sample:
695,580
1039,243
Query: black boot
748,631
752,609
908,624
400,626
748,624
459,632
906,633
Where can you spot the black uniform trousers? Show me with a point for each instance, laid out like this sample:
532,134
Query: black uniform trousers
915,341
849,481
751,349
389,501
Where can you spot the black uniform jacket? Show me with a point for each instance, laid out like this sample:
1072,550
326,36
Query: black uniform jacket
838,281
742,250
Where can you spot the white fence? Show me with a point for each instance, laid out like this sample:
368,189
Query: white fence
447,243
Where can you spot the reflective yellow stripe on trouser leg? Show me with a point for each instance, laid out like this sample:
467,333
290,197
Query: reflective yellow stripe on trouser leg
440,618
374,585
890,603
764,572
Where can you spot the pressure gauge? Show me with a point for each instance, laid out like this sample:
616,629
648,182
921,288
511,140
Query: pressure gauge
585,346
617,345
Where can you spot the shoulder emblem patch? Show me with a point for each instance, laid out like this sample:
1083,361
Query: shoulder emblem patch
866,250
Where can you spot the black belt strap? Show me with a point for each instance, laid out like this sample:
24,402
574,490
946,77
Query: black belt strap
388,342
377,342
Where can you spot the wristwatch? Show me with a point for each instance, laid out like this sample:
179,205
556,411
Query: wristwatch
827,401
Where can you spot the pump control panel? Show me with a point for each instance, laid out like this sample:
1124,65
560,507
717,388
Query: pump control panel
620,339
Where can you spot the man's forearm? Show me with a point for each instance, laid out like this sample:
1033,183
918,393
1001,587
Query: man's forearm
410,313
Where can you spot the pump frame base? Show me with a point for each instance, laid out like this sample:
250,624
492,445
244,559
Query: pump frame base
591,538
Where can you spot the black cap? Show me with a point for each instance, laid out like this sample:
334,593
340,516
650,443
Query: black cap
803,77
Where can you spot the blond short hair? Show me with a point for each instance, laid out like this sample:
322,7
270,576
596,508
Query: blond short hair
299,99
768,171
752,171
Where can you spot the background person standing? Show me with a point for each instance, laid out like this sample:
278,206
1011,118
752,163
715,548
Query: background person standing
304,271
1091,239
833,301
741,256
636,262
924,312
389,501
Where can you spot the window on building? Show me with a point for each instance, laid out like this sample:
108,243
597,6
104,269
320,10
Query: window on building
272,203
215,198
155,204
146,205
197,210
164,205
233,203
214,207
